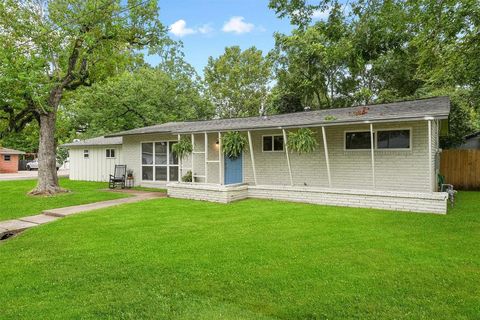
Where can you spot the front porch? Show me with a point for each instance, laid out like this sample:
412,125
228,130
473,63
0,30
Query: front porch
371,177
388,200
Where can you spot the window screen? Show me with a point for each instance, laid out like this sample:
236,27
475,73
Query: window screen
393,139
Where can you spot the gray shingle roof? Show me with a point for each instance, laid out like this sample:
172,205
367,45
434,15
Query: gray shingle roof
438,108
98,141
10,151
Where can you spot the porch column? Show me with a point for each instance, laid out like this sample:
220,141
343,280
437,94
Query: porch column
179,163
327,161
288,156
206,157
220,159
193,156
252,157
372,148
430,177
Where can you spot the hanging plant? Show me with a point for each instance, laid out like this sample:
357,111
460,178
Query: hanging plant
302,141
182,148
233,144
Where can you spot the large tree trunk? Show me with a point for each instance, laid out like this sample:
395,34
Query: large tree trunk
47,163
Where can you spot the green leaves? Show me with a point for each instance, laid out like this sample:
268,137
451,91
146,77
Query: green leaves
238,81
302,141
182,148
233,144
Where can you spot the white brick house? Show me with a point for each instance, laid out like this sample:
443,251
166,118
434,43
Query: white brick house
398,171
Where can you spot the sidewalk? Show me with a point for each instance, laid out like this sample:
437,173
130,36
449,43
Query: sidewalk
11,227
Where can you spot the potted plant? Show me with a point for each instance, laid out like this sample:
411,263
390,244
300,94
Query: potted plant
182,148
233,144
187,177
302,141
129,174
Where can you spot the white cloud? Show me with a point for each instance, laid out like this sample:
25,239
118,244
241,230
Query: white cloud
237,25
206,28
321,14
179,28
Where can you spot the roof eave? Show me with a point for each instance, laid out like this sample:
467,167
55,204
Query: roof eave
322,124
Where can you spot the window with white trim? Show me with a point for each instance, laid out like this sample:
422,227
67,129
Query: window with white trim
272,143
7,157
358,140
110,153
159,163
393,139
86,154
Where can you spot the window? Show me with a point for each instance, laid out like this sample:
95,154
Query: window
393,139
7,157
159,163
86,154
357,140
110,153
272,143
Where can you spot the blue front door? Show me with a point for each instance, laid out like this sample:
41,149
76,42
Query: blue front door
233,170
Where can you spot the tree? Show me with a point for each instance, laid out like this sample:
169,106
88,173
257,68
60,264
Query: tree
52,47
136,99
238,81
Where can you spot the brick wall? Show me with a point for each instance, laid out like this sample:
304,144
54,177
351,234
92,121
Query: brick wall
9,166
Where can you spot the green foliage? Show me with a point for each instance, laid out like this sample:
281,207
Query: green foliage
131,100
238,81
233,144
381,51
330,118
182,148
187,177
302,141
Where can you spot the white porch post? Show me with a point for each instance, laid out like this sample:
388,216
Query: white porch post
288,157
206,157
327,161
193,156
220,159
372,148
252,157
179,163
430,154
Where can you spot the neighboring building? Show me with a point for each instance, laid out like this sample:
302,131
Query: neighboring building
94,159
472,141
9,160
397,172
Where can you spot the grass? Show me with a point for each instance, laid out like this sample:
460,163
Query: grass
150,189
16,203
253,259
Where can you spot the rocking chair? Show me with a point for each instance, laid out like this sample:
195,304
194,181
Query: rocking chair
118,176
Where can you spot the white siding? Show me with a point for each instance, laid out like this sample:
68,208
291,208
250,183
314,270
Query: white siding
404,170
97,167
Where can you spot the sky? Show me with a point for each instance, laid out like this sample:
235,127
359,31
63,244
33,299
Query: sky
206,27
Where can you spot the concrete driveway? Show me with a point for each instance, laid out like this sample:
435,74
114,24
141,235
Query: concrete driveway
25,175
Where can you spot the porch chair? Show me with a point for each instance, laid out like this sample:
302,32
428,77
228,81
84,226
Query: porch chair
118,177
448,188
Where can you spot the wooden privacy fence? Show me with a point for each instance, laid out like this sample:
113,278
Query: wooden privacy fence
461,168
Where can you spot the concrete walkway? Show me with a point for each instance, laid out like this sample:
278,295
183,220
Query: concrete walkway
10,227
28,175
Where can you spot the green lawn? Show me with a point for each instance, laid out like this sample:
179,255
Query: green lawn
253,259
16,203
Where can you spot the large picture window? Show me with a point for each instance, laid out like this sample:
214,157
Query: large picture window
393,139
159,163
358,140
